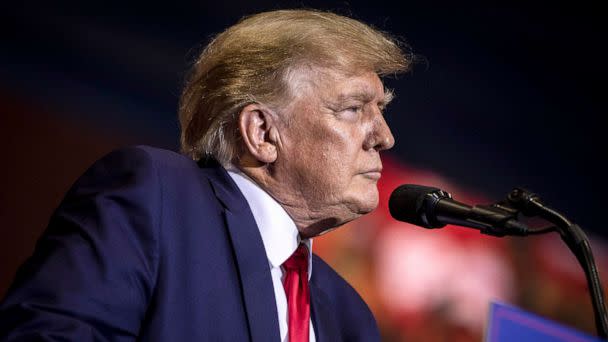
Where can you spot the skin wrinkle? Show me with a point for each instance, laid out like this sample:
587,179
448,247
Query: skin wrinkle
324,160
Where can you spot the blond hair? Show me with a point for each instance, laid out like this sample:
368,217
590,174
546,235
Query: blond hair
251,62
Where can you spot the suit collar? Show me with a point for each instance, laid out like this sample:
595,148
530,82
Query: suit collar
223,186
252,264
278,230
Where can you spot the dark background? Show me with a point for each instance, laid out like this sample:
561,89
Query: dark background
507,95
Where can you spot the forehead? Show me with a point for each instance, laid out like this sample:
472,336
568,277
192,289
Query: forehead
333,85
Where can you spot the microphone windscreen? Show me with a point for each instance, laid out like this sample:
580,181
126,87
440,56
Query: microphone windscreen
406,203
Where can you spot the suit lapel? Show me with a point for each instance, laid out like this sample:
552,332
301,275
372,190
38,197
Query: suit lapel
252,262
322,316
256,281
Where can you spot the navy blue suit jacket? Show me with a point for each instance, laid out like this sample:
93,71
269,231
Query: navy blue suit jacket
150,246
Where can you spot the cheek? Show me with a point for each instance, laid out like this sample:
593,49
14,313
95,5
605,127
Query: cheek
336,166
327,156
322,172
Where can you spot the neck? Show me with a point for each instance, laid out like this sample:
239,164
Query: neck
310,221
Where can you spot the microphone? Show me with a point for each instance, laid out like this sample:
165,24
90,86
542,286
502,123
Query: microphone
430,207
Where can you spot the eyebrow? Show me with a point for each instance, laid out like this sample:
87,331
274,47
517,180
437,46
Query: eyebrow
368,97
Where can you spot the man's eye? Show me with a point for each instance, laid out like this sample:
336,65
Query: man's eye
355,109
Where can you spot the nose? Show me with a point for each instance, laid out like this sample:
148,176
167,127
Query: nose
380,137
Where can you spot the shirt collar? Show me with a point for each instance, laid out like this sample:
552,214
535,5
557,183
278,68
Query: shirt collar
279,232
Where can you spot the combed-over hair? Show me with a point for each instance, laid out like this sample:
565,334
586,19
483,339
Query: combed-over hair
251,61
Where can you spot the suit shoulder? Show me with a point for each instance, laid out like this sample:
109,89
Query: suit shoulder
142,158
141,165
148,153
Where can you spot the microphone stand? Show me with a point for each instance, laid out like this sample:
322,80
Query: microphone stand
529,204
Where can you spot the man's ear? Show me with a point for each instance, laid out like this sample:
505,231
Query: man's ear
258,131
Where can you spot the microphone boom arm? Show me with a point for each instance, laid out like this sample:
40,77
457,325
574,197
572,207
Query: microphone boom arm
576,240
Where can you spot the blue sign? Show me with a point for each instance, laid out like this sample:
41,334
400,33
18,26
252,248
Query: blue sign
508,324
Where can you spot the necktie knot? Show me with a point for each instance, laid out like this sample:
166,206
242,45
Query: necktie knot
298,260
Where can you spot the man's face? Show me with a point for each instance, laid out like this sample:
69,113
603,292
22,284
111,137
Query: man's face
330,141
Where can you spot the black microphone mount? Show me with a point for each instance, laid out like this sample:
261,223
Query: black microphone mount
573,236
434,208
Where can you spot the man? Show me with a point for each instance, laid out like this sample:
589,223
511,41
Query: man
283,112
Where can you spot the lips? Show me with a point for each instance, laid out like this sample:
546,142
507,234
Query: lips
373,174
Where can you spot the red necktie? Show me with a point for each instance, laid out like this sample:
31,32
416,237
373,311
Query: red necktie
298,295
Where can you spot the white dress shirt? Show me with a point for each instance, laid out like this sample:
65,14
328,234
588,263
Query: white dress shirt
280,237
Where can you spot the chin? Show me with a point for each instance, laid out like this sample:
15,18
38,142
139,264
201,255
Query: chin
367,204
368,208
368,199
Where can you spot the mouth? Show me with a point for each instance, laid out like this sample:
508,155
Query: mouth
374,174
